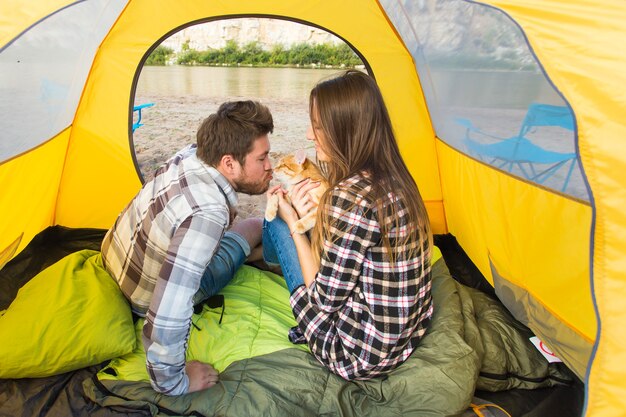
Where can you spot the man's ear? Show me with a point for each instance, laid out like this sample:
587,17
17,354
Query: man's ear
227,163
228,166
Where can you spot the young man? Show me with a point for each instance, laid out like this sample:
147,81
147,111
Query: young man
169,249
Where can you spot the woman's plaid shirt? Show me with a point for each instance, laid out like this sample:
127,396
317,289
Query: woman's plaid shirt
364,315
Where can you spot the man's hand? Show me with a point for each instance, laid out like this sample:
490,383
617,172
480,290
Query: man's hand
285,209
201,375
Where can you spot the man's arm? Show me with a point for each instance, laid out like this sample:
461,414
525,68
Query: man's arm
166,329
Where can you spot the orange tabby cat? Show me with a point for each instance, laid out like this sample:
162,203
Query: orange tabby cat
289,171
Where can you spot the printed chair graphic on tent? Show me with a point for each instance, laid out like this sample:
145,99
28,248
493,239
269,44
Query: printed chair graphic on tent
534,162
69,72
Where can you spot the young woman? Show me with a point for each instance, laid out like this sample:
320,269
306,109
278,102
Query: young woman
360,287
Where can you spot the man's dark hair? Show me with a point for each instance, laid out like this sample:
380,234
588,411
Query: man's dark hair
232,130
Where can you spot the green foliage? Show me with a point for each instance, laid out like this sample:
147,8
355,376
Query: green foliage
279,55
160,55
252,54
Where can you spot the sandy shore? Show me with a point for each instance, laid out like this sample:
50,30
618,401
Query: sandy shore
172,124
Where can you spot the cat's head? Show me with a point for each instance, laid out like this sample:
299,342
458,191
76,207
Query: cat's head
290,168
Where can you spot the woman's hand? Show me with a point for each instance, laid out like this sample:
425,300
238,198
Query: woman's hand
286,211
300,197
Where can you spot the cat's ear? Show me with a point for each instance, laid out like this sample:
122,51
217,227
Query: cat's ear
300,156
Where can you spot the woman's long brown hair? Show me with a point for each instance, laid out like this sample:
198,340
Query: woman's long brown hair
359,139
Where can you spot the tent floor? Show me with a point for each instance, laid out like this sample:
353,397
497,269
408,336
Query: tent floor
62,395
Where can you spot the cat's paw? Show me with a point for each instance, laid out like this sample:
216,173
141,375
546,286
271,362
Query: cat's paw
303,225
271,208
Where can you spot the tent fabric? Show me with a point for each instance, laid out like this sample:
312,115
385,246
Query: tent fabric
556,248
573,348
529,259
482,77
44,95
19,16
589,72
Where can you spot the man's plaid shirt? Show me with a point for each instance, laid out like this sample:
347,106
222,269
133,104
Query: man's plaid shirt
364,315
158,250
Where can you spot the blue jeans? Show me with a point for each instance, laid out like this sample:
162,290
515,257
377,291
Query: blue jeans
279,249
230,255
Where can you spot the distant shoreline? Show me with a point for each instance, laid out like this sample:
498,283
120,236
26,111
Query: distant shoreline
253,55
313,66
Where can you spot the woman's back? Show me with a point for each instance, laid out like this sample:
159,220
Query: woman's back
365,312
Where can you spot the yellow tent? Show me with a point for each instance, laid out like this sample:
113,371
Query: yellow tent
68,71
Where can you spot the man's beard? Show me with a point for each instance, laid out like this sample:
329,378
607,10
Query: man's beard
243,185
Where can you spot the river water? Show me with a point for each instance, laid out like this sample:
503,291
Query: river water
281,83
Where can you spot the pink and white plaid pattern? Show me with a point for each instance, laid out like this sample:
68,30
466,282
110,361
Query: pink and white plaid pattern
364,315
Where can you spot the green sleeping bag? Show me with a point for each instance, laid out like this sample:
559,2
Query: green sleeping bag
473,342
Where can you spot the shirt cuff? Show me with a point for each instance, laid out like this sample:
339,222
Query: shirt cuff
240,241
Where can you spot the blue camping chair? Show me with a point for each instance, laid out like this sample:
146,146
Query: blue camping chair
535,163
138,109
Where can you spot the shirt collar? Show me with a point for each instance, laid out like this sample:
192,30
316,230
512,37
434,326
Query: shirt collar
223,184
220,180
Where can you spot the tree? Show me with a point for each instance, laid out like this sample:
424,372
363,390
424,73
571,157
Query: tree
160,55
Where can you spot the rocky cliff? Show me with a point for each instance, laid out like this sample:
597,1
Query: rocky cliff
267,32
